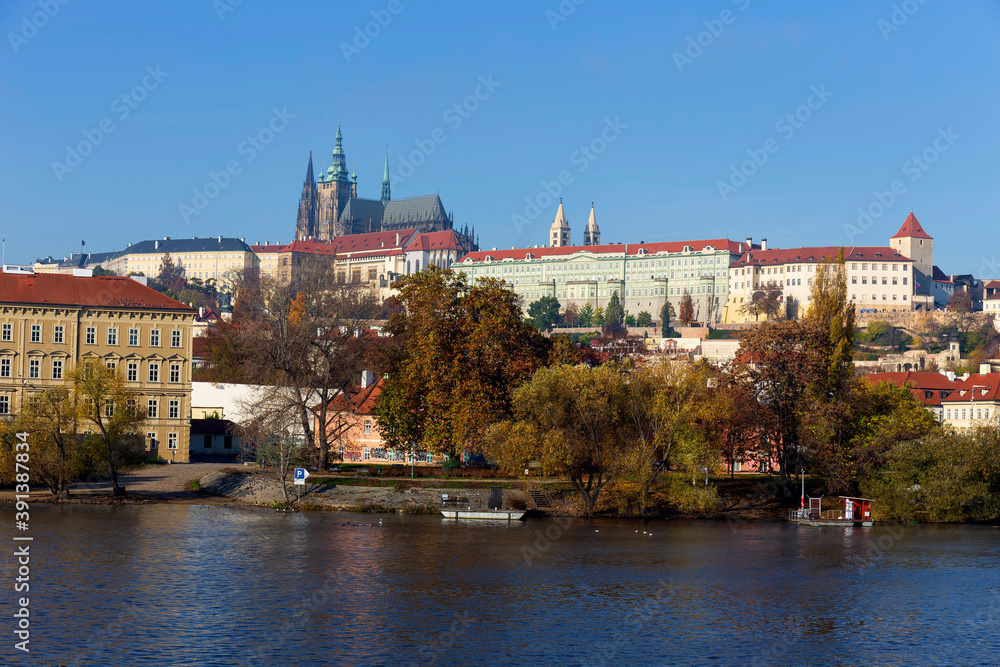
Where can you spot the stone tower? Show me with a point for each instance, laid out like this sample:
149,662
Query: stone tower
559,232
335,189
305,223
912,241
592,234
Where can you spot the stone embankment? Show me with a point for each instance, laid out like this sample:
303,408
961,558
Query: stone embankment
260,488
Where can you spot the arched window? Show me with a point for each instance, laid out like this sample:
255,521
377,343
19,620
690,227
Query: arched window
416,265
407,267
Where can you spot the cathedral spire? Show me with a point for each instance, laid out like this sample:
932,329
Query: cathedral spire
338,168
386,195
309,170
592,234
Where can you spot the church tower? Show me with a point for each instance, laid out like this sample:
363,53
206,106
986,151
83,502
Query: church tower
913,242
305,224
559,232
335,189
592,234
386,195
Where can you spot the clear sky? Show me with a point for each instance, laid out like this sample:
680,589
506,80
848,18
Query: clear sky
665,99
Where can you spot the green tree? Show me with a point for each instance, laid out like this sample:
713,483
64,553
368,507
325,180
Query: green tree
644,319
666,317
586,315
614,317
460,352
544,313
170,277
630,320
113,409
599,317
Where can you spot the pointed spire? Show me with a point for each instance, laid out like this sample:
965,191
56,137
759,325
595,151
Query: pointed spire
559,231
386,193
592,234
338,167
309,171
911,229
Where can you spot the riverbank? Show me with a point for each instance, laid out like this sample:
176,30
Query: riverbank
739,499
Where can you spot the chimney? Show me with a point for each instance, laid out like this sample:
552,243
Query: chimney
749,243
367,378
220,238
951,376
984,369
397,238
763,244
156,245
965,376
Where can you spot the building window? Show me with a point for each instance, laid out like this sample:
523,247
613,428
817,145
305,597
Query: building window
91,335
113,336
57,333
175,338
4,405
904,280
365,455
36,333
7,333
34,368
57,369
207,441
174,409
151,439
109,410
368,426
133,337
171,441
153,408
133,371
175,372
154,372
4,368
154,338
227,442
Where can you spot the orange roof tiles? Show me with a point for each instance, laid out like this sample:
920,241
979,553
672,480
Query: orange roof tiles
911,229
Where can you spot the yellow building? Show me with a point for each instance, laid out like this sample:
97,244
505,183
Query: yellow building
203,258
49,323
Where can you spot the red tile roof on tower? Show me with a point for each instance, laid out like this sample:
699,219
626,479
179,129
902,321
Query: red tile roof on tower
613,248
66,290
805,255
911,229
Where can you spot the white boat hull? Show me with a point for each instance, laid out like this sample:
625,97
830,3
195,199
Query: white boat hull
502,515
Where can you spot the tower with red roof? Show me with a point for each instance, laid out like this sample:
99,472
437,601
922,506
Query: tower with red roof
912,241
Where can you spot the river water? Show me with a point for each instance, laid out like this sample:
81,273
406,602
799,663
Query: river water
214,585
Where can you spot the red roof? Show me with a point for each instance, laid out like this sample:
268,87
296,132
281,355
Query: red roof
929,388
993,284
360,401
911,229
343,245
793,255
446,240
67,290
622,248
985,387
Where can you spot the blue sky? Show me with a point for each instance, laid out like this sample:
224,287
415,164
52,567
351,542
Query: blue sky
620,101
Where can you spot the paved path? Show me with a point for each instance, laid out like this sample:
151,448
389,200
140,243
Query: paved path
162,482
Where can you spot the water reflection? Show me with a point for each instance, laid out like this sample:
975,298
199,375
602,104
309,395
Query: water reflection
191,585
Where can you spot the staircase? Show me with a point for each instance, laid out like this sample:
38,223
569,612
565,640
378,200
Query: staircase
539,497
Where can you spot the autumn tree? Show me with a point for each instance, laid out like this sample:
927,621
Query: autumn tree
58,454
571,420
462,350
170,276
544,313
571,315
599,317
270,436
766,300
960,301
107,404
686,315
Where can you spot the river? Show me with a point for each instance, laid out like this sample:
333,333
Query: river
217,585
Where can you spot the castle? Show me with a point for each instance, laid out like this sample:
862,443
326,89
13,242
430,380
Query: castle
330,207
